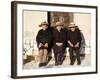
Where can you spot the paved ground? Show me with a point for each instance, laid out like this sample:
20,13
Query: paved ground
34,64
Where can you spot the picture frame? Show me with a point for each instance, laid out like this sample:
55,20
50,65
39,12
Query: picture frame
21,19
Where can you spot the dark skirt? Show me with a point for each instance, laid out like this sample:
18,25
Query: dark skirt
43,47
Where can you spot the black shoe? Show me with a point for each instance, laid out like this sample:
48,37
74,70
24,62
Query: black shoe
40,64
44,64
60,63
78,63
71,63
56,64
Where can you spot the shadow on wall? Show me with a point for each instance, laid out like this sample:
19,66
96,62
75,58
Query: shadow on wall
82,48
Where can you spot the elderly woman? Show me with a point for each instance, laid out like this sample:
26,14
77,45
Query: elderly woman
74,42
59,39
44,39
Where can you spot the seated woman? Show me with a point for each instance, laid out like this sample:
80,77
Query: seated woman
43,38
59,39
74,42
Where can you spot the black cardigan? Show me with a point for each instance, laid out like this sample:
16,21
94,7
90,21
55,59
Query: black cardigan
44,36
74,36
59,36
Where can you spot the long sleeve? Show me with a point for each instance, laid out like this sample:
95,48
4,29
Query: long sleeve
37,38
68,35
79,36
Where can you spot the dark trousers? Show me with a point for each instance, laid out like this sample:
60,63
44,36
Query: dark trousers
58,53
74,54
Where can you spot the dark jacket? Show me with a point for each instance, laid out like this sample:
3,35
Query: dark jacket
59,36
74,36
44,36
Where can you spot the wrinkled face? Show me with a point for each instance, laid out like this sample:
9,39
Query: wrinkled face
44,27
59,28
72,28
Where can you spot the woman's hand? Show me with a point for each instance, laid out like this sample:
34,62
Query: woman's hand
77,45
70,44
46,45
40,45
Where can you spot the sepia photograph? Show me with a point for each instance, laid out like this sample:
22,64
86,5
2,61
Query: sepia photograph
35,56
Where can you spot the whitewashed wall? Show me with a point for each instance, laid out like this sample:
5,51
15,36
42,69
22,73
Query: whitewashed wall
31,21
84,23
